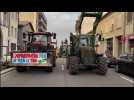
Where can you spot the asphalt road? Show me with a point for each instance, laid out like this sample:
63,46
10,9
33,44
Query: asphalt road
60,78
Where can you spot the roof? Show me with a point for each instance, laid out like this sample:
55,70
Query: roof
104,16
24,23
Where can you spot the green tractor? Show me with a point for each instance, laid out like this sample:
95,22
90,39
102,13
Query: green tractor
82,51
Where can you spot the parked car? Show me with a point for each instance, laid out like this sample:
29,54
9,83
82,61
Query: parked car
112,62
129,57
125,64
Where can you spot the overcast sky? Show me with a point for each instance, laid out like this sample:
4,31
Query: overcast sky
61,23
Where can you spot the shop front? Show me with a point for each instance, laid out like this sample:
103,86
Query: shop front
131,43
128,40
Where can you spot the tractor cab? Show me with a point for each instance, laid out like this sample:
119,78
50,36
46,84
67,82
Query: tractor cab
40,42
86,40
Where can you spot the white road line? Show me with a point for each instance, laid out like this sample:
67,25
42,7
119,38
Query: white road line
128,79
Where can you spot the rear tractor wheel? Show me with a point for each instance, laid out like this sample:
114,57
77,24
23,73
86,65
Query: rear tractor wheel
102,66
73,65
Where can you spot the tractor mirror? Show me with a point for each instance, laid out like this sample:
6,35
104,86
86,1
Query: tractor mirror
54,35
100,37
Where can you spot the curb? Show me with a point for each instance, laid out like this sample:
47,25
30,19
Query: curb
6,70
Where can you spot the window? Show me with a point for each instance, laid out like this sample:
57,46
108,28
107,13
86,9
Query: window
131,46
0,45
129,17
110,45
12,16
16,16
118,21
16,32
13,46
24,35
83,42
0,17
112,27
8,45
12,31
5,18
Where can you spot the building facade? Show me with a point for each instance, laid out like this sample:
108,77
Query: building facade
87,25
8,32
13,31
117,33
24,29
37,19
4,24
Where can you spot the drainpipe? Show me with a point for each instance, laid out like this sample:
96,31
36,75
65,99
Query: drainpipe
124,30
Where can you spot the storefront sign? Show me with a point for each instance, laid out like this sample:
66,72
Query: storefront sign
29,58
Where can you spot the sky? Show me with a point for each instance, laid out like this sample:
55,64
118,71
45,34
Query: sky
62,23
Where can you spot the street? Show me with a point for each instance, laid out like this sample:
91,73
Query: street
60,78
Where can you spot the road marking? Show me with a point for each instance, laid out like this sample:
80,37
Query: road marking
62,67
128,79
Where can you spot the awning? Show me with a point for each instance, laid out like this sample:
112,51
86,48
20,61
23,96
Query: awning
131,36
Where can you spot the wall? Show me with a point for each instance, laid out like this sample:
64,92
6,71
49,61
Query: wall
111,27
29,17
13,29
87,25
4,33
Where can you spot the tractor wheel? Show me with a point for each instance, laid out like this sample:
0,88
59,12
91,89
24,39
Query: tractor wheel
73,65
102,66
21,69
73,70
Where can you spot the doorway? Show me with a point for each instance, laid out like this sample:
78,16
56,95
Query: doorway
120,45
110,46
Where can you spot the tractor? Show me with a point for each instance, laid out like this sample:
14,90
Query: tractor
82,50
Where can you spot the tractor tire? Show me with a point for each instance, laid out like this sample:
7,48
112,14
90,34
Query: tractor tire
117,69
21,69
73,65
102,66
73,70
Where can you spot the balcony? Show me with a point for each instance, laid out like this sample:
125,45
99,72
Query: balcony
43,18
41,29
